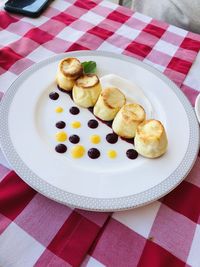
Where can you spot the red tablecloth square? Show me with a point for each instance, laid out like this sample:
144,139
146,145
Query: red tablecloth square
15,194
39,35
139,49
86,4
65,18
74,238
185,200
154,30
117,16
100,32
156,256
6,20
179,65
8,57
190,44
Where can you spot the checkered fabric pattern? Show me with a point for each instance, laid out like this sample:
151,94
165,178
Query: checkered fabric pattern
36,231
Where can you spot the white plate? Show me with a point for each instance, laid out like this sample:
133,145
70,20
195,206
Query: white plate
28,128
197,107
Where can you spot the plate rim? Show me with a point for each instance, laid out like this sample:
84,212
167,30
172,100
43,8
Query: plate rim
197,107
90,203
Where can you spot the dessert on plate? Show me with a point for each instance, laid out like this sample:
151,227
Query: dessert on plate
151,139
86,90
127,119
109,103
69,69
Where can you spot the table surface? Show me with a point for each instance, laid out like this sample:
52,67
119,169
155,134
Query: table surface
36,231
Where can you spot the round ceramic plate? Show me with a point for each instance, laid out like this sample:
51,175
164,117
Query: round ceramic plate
197,107
27,136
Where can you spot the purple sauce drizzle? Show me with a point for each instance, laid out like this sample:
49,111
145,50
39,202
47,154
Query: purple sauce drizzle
66,92
128,140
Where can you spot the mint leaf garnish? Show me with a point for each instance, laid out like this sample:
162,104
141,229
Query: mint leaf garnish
89,66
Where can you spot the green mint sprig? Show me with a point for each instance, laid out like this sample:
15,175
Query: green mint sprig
89,67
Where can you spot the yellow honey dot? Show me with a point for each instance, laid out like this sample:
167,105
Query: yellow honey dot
58,109
95,139
77,151
76,124
112,154
61,136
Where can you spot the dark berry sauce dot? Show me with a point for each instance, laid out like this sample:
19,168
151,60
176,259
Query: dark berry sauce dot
60,124
66,92
93,153
53,96
128,140
112,138
93,124
91,109
61,148
131,153
74,110
74,139
108,123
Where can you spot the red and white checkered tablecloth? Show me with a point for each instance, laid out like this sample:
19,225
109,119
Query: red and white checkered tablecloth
36,231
